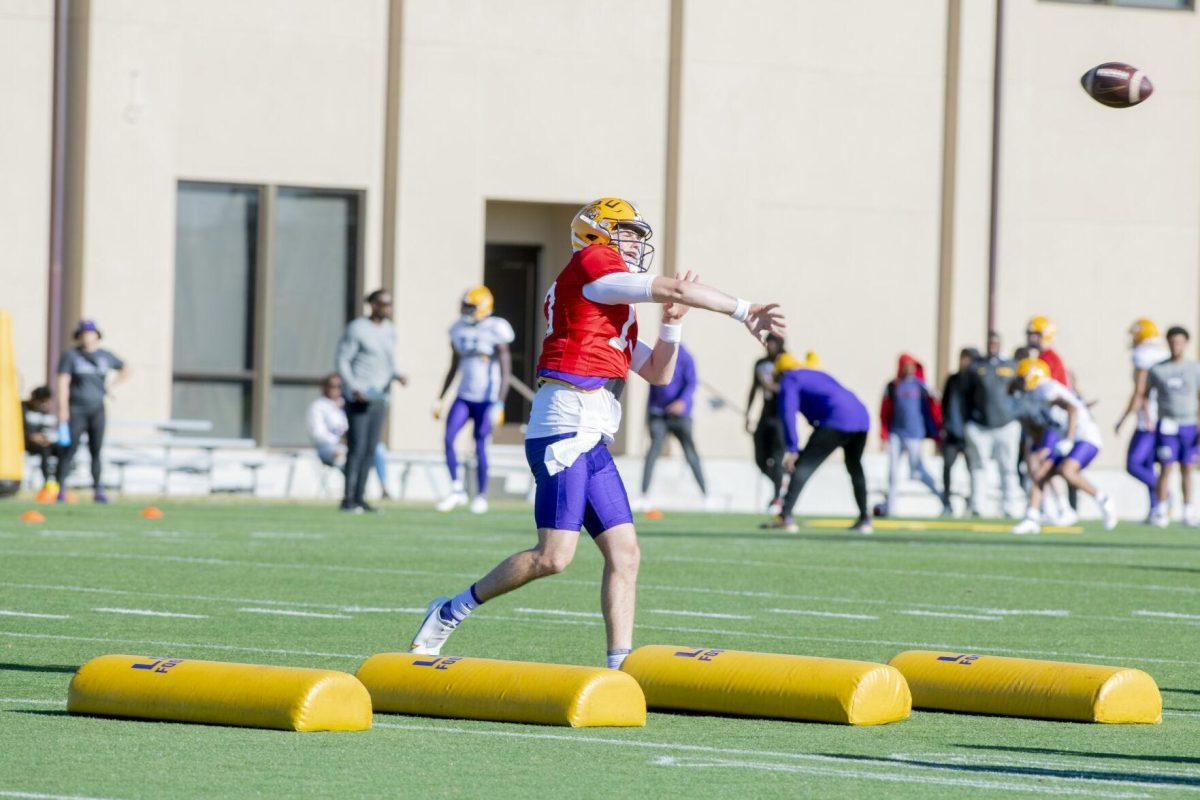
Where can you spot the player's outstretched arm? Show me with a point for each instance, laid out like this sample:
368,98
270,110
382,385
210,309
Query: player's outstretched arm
760,319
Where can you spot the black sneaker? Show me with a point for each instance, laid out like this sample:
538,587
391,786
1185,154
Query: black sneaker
367,507
349,508
863,525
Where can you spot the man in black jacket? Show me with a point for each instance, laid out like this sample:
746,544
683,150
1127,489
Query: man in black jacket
955,412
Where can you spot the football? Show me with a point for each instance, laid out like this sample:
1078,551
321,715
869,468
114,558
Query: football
1117,85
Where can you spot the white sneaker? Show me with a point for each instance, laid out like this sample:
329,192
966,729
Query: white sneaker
1108,513
433,631
1191,516
863,526
479,504
776,507
1027,526
1067,517
1160,517
453,500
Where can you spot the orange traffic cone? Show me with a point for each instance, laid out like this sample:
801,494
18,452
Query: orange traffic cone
152,512
32,517
654,513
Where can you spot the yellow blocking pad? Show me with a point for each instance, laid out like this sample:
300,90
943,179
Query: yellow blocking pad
1026,687
769,685
218,693
503,691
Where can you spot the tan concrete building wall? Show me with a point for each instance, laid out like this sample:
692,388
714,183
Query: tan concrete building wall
1100,208
810,163
26,68
536,101
263,93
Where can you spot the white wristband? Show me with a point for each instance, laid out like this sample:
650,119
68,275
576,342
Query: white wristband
670,333
742,312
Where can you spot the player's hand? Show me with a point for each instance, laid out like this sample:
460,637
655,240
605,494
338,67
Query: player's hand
496,414
402,379
1117,427
765,319
1063,448
672,313
437,409
789,461
675,408
749,425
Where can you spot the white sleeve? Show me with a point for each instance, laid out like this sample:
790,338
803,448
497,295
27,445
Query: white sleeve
504,332
620,287
641,354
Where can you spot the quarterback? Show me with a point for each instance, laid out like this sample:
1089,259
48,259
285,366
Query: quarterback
590,346
480,357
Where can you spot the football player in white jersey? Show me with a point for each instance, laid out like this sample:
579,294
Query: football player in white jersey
1071,455
480,357
1147,349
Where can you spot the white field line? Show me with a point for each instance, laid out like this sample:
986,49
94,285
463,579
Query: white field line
1173,713
6,612
830,766
51,587
705,614
288,612
560,613
33,701
145,612
167,534
1092,764
377,610
285,535
1167,615
808,613
55,534
185,645
40,796
914,612
1028,612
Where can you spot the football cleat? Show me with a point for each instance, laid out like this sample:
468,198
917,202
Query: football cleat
1027,526
863,525
1066,518
479,504
1160,517
434,630
452,501
1108,512
785,524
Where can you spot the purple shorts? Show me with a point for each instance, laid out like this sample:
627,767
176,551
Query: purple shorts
1081,453
1181,447
1050,437
588,494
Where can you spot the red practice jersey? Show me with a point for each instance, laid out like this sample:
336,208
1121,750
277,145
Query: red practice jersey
583,338
1058,370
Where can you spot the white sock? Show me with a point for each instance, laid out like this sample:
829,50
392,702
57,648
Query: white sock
457,487
463,603
617,657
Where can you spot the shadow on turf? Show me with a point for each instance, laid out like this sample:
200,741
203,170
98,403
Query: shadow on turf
1179,691
1053,751
64,668
1040,772
39,712
886,538
1151,568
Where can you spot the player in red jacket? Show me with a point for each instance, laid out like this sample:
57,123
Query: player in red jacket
590,346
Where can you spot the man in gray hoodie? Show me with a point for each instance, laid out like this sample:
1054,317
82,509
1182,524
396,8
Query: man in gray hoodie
992,430
366,363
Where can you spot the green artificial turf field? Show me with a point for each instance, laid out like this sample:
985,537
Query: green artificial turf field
302,585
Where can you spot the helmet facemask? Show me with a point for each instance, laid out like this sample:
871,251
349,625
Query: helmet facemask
632,241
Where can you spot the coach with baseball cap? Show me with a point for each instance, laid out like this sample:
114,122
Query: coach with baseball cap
83,383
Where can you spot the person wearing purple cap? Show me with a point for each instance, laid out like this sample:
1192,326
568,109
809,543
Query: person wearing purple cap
669,410
83,382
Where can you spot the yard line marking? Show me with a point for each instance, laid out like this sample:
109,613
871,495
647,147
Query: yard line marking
1173,713
289,612
1030,612
1167,615
827,762
33,701
560,613
40,796
285,535
203,597
53,534
705,614
374,610
188,645
915,612
167,534
1095,763
807,613
5,612
145,612
934,573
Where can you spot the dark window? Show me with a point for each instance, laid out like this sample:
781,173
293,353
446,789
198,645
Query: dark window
510,271
215,265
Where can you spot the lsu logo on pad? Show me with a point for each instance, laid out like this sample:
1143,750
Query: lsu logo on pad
160,666
699,655
962,660
439,663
